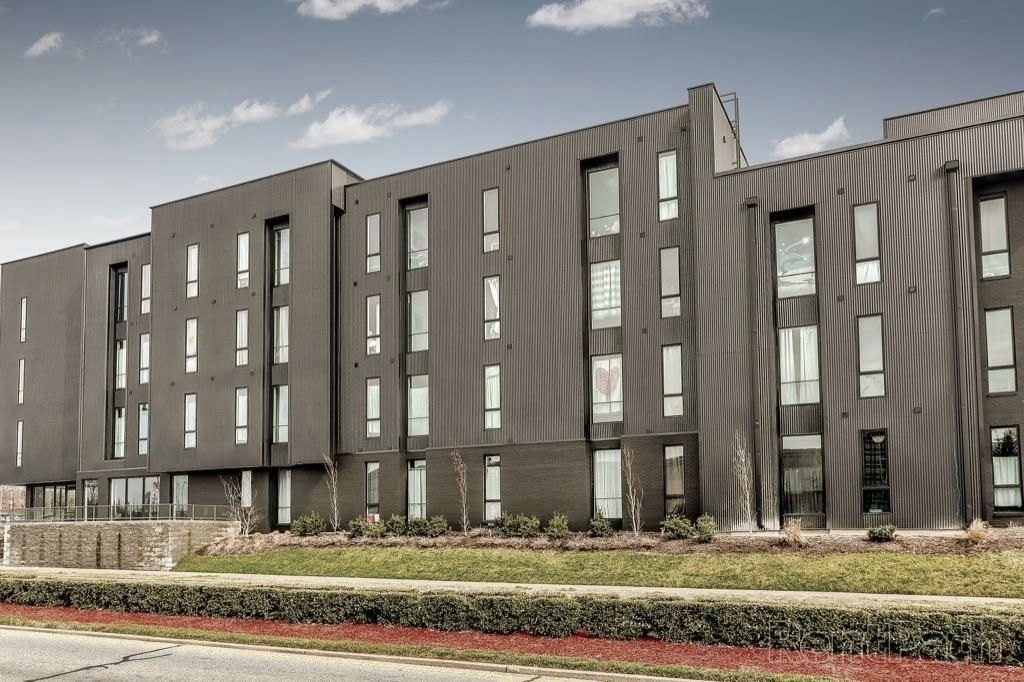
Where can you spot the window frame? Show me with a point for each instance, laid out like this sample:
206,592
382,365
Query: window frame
492,325
782,483
681,497
146,289
280,408
666,396
145,357
192,278
373,259
410,254
242,269
241,416
373,417
594,359
284,497
24,320
602,168
409,415
417,468
282,264
674,199
491,462
593,309
414,338
496,232
192,354
121,295
143,441
874,488
595,501
1020,470
21,381
19,448
778,361
371,483
281,316
775,254
193,400
241,344
861,372
857,259
492,413
669,296
120,364
1013,350
994,196
373,343
119,432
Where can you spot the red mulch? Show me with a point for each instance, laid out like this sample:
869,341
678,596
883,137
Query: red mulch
867,668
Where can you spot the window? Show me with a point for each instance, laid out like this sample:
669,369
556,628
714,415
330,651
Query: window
284,497
280,335
144,358
872,356
865,243
373,243
605,297
21,381
419,405
190,420
147,288
121,363
241,338
280,406
245,491
192,271
794,258
417,223
191,345
492,487
674,480
606,371
608,483
128,495
803,488
241,415
1006,476
18,447
798,366
671,305
143,428
492,237
373,490
179,486
419,320
603,201
24,318
282,256
668,187
373,325
120,296
995,253
417,491
492,397
672,380
875,449
118,493
1002,374
242,260
492,308
91,492
373,407
119,432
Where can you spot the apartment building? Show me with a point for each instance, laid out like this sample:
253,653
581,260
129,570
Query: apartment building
632,292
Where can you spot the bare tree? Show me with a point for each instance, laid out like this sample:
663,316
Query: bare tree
247,516
634,490
462,485
331,469
743,469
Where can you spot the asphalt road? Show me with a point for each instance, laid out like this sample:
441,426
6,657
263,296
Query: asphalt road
29,655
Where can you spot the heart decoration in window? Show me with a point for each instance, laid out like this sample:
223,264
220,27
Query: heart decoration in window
606,380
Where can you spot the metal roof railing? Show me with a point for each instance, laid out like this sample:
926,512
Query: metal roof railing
122,512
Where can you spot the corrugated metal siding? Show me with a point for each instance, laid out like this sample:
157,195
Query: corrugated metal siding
955,116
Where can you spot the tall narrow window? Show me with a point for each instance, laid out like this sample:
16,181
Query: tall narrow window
605,295
803,488
282,256
241,338
284,497
147,289
24,319
242,260
373,325
419,320
373,243
190,420
241,415
120,295
191,345
119,432
794,258
121,363
668,187
280,407
603,201
995,250
144,358
671,305
872,356
373,407
179,484
417,491
21,381
417,221
608,483
492,397
373,490
118,493
492,238
875,450
674,495
606,386
1006,471
20,443
492,308
672,380
143,428
798,366
1002,372
192,271
419,405
280,334
865,242
245,493
492,487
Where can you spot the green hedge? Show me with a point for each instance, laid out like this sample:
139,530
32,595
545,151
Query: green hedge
954,633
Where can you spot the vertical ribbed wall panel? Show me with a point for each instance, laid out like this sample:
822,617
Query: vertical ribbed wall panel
955,116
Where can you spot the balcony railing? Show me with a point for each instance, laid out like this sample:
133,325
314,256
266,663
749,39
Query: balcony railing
123,512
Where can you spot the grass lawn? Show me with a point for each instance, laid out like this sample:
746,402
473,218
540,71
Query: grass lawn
989,574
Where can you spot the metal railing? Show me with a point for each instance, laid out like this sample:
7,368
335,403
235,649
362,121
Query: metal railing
123,512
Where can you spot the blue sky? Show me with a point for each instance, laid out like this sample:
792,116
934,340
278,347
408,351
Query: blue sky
112,106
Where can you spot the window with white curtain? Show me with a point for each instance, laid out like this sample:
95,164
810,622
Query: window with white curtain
284,497
190,420
20,442
373,243
1002,372
798,366
143,428
21,381
671,305
373,490
119,433
794,258
605,295
672,380
373,325
144,358
242,260
491,234
147,289
191,345
803,486
280,414
865,242
246,488
1006,469
417,492
995,249
179,486
121,363
871,356
419,320
241,338
492,397
24,319
282,256
492,487
606,388
608,483
192,271
674,493
419,405
280,335
492,307
603,201
668,187
241,415
373,407
417,222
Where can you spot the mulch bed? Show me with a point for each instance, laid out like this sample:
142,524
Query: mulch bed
869,668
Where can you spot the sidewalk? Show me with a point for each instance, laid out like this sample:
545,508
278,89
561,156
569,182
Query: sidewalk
319,582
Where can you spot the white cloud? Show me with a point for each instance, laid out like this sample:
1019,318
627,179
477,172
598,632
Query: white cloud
253,111
147,38
49,43
337,10
580,16
934,12
807,142
307,102
348,125
191,127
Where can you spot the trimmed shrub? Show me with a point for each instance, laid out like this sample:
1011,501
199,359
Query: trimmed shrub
885,533
434,527
360,527
310,524
394,525
558,527
517,526
600,527
677,527
706,529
